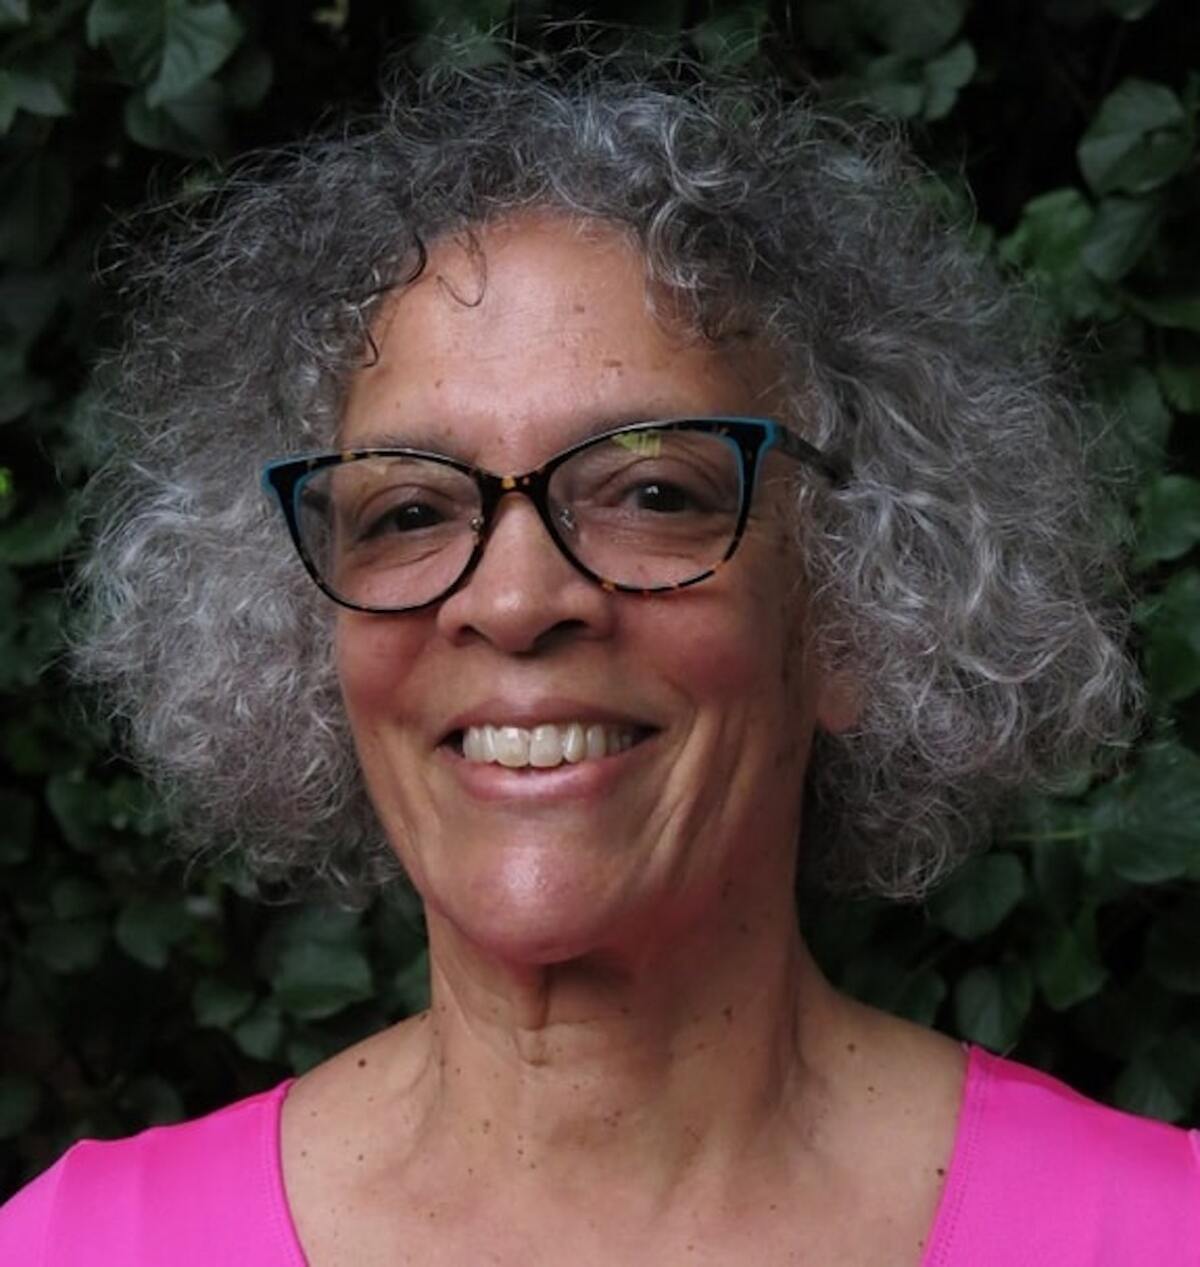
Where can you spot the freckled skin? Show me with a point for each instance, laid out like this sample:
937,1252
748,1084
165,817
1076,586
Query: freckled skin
621,998
702,665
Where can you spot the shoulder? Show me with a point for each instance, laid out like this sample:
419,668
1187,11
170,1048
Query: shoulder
1071,1181
205,1191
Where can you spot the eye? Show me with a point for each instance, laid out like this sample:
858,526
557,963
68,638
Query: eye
411,516
678,491
662,498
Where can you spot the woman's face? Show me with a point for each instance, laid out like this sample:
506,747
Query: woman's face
504,358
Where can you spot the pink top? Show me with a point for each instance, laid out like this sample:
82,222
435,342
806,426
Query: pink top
1040,1177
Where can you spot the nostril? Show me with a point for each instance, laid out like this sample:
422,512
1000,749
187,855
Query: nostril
563,631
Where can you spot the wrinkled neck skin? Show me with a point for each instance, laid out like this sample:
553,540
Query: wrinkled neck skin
659,1067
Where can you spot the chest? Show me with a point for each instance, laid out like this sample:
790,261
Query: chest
480,1227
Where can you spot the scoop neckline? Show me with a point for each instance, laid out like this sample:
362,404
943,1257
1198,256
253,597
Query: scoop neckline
938,1237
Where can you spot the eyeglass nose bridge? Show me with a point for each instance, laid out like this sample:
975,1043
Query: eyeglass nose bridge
534,485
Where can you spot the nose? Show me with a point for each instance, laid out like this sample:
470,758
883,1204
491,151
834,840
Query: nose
523,594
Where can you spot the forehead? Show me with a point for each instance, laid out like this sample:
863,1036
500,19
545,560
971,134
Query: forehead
538,331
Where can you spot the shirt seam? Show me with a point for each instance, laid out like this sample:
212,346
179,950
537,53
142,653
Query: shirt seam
948,1216
57,1174
272,1169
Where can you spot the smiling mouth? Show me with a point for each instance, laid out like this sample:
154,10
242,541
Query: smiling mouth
544,747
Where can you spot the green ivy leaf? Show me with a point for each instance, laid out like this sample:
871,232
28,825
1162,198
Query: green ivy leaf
35,94
1120,233
1132,393
462,33
1069,969
1058,865
1168,519
894,84
315,924
980,896
1173,312
1179,374
133,806
1047,246
14,13
912,30
313,980
1147,1090
1171,620
1138,140
170,47
315,961
147,928
260,1034
30,637
1161,1082
192,124
945,76
40,536
730,39
219,1004
20,1099
78,806
463,46
247,78
1148,821
132,31
991,1003
197,40
1173,948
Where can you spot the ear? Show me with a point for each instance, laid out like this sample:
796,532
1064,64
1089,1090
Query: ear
839,702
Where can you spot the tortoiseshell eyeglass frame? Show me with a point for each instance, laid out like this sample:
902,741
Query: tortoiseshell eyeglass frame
751,439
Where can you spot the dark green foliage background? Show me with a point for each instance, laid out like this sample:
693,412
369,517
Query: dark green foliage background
133,991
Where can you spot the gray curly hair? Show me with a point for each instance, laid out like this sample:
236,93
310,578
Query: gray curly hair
963,573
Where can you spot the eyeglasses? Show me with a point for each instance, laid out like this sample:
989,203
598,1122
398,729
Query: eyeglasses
643,508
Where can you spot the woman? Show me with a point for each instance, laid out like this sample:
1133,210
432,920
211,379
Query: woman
660,456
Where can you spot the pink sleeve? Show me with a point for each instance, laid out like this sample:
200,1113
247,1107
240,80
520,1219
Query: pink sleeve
205,1193
1042,1175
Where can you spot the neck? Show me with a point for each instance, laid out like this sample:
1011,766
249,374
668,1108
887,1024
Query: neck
658,1067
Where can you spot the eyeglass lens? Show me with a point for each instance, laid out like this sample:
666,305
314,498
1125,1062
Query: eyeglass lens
644,508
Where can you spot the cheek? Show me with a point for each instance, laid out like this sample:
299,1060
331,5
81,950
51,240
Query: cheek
733,651
374,656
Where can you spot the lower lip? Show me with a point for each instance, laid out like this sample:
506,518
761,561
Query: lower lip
489,781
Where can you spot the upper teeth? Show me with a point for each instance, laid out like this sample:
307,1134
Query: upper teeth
547,745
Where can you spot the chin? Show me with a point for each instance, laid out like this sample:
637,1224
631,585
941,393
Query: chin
535,938
526,907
